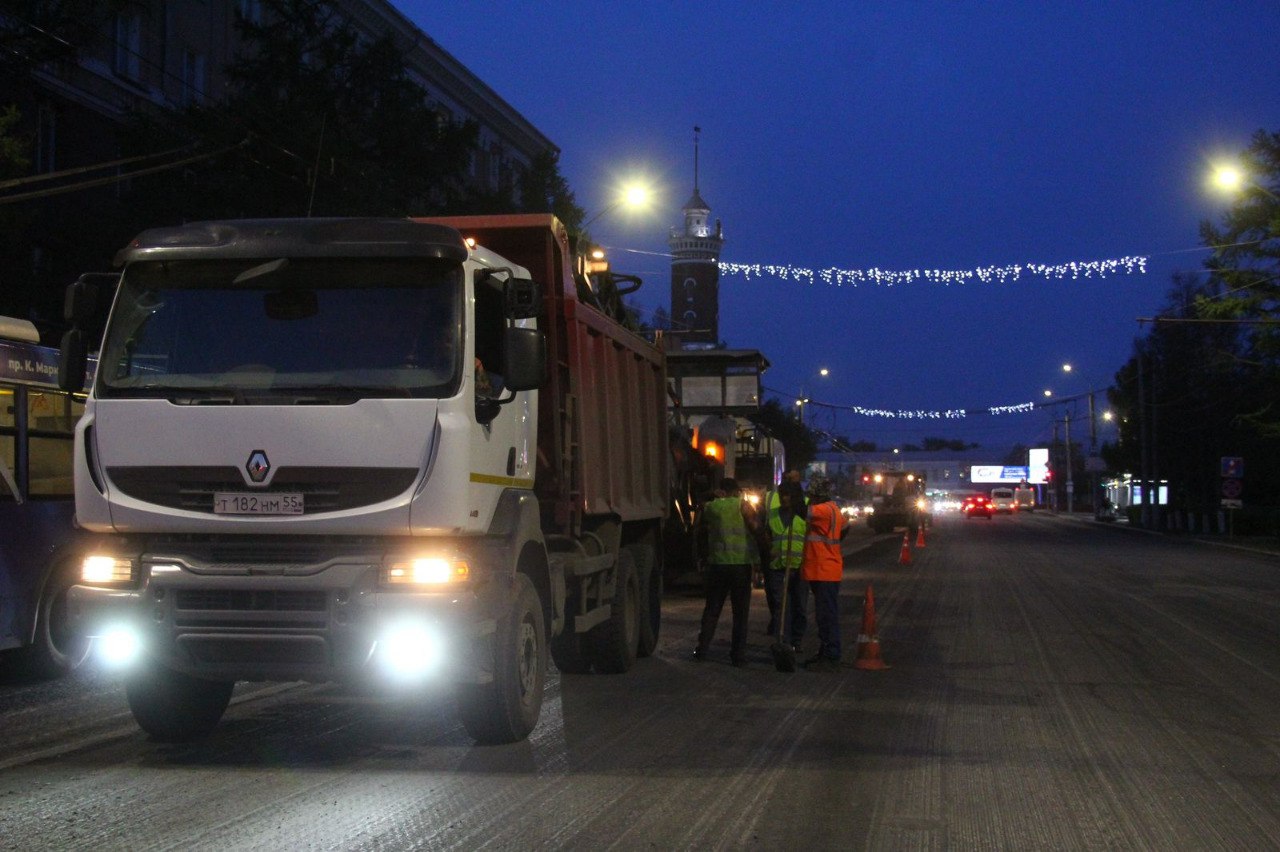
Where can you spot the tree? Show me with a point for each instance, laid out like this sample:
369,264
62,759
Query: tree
800,442
544,190
1204,382
323,122
940,444
1246,265
1185,398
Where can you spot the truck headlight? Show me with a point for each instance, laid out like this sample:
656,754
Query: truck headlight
427,571
410,650
97,569
119,645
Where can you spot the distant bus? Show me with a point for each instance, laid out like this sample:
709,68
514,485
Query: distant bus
37,424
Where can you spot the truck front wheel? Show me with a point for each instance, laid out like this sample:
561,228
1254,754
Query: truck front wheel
58,649
174,707
506,710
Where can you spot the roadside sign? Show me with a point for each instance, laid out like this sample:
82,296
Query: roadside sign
1233,467
1232,504
1232,489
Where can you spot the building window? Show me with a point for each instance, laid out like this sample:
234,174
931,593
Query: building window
495,166
192,77
128,53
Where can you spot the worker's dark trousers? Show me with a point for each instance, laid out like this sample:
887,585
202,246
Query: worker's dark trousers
826,611
732,582
797,603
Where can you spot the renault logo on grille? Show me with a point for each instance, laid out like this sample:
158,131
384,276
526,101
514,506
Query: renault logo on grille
258,466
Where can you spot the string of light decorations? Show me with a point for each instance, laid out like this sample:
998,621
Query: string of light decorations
875,276
926,414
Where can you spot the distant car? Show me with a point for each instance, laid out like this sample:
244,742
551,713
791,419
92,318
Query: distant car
978,505
1002,500
1024,499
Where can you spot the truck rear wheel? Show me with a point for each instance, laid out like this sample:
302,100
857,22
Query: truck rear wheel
506,710
174,707
614,643
650,582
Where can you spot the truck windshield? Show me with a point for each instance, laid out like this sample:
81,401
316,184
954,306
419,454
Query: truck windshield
284,330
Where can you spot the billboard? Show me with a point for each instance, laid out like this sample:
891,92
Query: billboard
1035,472
1038,464
997,473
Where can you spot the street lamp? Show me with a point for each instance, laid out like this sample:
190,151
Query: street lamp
804,400
632,196
1233,179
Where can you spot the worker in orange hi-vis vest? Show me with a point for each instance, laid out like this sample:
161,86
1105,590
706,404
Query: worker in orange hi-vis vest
823,568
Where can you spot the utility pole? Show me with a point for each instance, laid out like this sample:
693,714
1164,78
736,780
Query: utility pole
1093,453
1071,486
1053,452
1144,444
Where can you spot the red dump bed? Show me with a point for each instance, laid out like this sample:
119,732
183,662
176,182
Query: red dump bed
602,433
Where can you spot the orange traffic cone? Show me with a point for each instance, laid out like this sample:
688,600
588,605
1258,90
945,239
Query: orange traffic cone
868,642
920,537
904,558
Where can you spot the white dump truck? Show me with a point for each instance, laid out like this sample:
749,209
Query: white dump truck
364,449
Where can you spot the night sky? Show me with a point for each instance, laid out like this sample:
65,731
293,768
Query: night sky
899,136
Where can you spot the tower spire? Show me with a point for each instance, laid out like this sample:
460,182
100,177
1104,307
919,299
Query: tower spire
695,271
697,131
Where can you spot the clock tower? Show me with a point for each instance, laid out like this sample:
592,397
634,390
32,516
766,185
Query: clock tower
695,273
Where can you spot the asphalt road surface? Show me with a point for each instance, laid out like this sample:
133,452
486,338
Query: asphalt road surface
1055,684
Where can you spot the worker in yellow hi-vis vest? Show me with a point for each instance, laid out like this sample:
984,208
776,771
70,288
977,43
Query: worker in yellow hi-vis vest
732,554
785,528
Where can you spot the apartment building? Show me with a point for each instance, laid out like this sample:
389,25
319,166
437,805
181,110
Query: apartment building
171,53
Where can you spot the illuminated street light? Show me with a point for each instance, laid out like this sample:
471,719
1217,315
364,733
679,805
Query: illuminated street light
634,195
1066,368
1233,179
1228,178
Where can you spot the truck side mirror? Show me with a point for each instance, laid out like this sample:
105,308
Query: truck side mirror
73,363
524,358
86,296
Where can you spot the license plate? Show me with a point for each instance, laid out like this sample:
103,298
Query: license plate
233,503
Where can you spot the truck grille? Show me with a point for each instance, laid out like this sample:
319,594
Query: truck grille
245,609
324,489
260,600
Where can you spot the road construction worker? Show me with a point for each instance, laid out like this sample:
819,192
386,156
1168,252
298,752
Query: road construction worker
823,568
732,554
771,504
785,529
